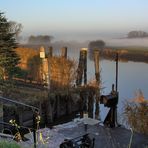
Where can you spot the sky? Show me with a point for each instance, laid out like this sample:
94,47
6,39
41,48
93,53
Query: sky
78,19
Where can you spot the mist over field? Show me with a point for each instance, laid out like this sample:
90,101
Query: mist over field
80,43
142,42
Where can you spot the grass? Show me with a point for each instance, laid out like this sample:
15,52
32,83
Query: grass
25,94
6,144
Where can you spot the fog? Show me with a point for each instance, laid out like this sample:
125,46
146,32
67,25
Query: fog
124,42
143,42
83,42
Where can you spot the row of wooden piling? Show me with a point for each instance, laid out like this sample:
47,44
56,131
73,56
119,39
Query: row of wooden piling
81,78
84,96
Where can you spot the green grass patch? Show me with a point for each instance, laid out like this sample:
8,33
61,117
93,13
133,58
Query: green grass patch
7,144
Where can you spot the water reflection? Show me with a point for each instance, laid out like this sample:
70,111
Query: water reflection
132,76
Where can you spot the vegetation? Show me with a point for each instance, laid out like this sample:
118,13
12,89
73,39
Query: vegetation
136,113
135,54
41,39
6,144
63,72
8,57
16,28
137,34
30,64
98,44
29,95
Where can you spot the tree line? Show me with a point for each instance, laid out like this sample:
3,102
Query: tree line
9,37
137,34
40,39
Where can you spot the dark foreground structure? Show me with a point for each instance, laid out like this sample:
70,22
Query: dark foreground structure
100,136
108,137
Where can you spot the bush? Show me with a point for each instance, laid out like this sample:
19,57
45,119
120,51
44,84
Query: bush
136,114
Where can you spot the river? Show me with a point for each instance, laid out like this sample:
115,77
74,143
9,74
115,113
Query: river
132,77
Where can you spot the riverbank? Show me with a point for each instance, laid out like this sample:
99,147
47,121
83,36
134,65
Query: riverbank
134,54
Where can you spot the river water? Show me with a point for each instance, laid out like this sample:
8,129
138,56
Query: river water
132,77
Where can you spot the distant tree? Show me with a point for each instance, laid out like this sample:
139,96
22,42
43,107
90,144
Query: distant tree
137,34
8,57
98,44
16,28
41,39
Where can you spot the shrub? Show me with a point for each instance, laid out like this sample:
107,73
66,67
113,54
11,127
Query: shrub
136,113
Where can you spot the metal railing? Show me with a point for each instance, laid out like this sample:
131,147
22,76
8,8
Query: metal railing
35,111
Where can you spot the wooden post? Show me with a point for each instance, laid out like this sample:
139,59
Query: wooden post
117,58
85,64
117,72
49,67
58,111
84,105
50,51
64,52
35,114
82,67
42,56
97,73
96,62
90,103
49,109
80,70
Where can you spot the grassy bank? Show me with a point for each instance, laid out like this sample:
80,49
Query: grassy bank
135,54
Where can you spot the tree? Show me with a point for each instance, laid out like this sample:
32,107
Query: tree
137,34
8,57
98,44
16,28
40,39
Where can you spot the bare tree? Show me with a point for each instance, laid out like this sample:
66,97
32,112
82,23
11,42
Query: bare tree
16,28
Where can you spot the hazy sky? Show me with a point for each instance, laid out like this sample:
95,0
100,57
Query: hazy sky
74,19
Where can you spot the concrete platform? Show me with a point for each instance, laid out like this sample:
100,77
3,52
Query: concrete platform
108,137
104,137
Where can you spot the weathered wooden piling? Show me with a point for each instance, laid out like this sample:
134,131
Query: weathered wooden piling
45,67
82,67
42,56
64,52
117,58
97,74
50,51
84,99
90,103
85,64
